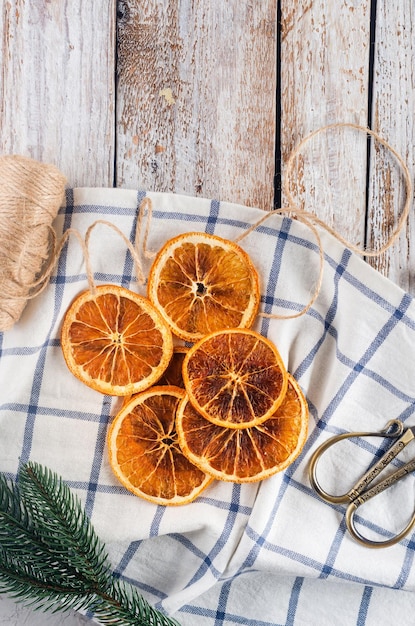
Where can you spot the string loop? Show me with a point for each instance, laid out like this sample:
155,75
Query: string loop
310,219
407,179
24,285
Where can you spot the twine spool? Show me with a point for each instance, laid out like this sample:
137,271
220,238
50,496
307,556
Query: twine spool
30,196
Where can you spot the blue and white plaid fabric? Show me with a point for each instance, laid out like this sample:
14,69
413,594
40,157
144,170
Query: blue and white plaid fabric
251,554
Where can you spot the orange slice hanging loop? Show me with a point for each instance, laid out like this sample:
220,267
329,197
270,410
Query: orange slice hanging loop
298,211
310,219
133,252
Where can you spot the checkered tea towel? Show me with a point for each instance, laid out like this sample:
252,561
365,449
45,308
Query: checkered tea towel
352,354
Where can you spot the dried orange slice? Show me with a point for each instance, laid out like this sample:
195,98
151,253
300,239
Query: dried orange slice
144,452
115,341
202,283
250,454
235,378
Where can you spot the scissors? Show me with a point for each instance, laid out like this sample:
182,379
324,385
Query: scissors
362,491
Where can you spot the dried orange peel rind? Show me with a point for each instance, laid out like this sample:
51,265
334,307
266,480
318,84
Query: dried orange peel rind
235,378
144,452
250,454
202,283
115,341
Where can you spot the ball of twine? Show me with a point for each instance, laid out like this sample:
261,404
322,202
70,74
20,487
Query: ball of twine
30,196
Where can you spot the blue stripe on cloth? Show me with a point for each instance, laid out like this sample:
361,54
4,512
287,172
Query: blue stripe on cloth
39,369
293,604
231,618
213,217
328,567
295,556
129,261
27,351
272,280
208,559
158,516
374,346
328,320
407,563
364,606
98,456
154,591
128,555
108,277
98,209
59,412
221,615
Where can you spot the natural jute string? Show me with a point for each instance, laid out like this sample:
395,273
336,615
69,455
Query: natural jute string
31,194
307,218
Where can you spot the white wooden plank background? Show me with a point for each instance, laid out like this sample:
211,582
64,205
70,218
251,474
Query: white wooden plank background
209,99
196,98
57,85
324,80
393,118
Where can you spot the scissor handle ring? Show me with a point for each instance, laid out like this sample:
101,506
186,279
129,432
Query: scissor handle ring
393,429
368,543
328,497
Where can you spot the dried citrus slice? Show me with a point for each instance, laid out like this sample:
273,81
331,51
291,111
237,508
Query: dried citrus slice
202,283
249,454
235,378
115,341
144,452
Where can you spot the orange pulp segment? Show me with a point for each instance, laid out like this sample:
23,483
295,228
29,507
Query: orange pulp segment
144,452
173,374
235,378
202,283
115,341
250,454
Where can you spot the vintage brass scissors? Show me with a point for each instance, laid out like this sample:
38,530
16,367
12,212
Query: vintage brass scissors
361,492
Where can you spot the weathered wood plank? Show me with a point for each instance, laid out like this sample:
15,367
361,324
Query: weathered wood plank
57,85
393,119
324,76
196,98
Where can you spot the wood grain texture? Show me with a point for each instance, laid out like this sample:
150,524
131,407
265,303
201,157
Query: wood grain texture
324,80
196,98
57,85
393,119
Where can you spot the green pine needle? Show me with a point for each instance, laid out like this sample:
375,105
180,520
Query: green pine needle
52,559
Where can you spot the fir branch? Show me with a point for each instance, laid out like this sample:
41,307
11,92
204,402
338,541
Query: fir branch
51,557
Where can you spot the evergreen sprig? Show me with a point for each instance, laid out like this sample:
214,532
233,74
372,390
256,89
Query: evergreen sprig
52,559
